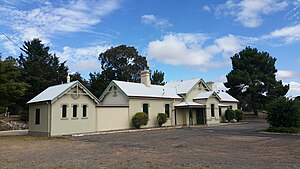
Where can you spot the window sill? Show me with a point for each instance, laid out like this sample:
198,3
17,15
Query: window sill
84,117
64,118
74,118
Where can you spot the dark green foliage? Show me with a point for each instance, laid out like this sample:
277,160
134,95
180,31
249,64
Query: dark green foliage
284,129
229,114
283,113
97,84
139,119
239,115
24,116
40,69
157,78
117,63
252,79
12,88
77,76
161,119
122,63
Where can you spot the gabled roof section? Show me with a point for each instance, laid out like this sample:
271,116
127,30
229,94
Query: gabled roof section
52,93
206,95
140,90
226,97
184,86
222,96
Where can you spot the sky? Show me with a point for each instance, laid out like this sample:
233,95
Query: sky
184,39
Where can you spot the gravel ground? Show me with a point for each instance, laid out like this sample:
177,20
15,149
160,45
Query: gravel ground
230,146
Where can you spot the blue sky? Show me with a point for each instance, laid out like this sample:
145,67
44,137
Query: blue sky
184,39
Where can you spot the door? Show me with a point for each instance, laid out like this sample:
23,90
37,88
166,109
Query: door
200,116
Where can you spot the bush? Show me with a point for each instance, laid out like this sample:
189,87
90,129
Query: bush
24,116
139,119
283,113
239,115
229,114
161,118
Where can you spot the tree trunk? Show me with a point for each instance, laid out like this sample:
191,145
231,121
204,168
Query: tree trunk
254,105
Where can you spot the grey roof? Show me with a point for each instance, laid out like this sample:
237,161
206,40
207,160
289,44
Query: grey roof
183,86
226,97
189,104
222,95
52,92
140,90
204,95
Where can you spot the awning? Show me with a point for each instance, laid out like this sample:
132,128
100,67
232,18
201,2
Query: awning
189,105
223,105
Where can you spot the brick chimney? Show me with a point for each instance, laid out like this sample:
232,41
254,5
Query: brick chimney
145,77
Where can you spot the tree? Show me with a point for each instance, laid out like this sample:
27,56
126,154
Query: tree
118,63
40,69
157,78
252,78
77,76
11,87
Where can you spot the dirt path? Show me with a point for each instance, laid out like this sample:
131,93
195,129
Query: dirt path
233,146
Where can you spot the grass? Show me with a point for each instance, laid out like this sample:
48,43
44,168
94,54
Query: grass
284,129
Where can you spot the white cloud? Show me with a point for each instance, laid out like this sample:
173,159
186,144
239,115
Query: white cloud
47,20
157,22
82,59
250,12
191,49
206,8
289,34
294,89
286,74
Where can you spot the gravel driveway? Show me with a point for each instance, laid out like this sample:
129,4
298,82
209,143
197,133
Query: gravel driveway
229,146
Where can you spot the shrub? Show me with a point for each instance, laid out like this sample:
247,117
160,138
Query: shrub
239,115
229,114
161,118
139,119
283,113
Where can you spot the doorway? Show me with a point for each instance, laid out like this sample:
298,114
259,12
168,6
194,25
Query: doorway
200,118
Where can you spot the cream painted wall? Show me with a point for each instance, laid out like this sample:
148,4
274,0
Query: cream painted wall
113,118
115,98
42,128
194,92
156,106
208,102
69,125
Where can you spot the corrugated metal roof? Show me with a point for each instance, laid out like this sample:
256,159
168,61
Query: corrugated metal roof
140,90
51,92
226,97
187,104
183,86
222,95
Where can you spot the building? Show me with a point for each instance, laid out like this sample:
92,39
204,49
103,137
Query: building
71,108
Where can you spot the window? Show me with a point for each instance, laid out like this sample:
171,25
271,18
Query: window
37,116
220,111
212,110
167,110
230,107
145,108
84,110
64,111
74,110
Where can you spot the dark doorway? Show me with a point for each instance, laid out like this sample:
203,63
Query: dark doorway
200,116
